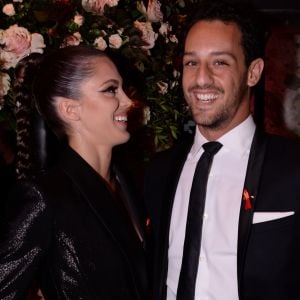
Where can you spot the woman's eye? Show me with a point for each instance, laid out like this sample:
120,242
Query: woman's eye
111,89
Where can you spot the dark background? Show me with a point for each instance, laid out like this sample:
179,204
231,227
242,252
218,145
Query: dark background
276,5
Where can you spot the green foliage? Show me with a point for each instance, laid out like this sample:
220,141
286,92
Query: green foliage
156,68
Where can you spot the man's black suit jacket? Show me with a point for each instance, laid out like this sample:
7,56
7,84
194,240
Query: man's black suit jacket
268,254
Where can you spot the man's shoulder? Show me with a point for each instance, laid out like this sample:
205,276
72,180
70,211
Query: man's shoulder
283,151
282,143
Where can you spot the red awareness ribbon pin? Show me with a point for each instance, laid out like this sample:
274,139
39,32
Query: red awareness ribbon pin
247,200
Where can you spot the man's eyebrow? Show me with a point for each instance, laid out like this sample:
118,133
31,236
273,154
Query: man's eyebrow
214,53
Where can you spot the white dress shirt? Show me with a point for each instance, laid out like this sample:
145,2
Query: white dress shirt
217,271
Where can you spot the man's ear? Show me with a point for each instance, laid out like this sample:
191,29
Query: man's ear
68,109
254,71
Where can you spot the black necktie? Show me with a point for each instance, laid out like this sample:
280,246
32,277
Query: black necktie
193,232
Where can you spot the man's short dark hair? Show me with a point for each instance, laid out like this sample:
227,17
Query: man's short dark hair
244,16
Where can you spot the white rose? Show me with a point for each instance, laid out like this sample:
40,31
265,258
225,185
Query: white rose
9,10
115,41
100,43
78,19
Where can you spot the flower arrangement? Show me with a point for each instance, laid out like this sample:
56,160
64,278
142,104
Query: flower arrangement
144,33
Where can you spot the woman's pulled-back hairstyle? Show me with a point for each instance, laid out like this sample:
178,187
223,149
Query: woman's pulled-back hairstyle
59,75
245,17
39,80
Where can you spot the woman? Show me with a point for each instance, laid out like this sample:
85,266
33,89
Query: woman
75,229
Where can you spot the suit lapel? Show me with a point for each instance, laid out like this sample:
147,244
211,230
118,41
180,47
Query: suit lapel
251,187
94,191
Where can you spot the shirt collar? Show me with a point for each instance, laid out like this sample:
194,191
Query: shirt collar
238,139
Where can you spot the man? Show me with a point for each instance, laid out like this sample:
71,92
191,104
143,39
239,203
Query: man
250,236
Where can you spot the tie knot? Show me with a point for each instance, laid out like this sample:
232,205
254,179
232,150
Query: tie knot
212,147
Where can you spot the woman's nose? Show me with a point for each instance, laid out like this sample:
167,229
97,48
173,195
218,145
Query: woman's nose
125,100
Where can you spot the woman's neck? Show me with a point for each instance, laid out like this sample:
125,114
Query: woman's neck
98,157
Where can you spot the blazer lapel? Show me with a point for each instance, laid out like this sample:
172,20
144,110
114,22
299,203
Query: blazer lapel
130,206
251,187
94,191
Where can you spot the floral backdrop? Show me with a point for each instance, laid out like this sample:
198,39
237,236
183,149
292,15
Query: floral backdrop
143,33
145,36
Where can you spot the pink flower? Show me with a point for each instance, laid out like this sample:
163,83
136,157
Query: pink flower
16,39
97,6
148,35
153,12
72,40
115,41
9,10
78,19
164,29
100,43
18,42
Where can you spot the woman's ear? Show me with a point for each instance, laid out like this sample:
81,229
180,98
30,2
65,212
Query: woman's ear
254,71
68,109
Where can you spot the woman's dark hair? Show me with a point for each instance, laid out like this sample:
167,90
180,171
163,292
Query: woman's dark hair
60,74
39,80
244,16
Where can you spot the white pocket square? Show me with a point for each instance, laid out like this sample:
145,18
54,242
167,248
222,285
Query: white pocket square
259,217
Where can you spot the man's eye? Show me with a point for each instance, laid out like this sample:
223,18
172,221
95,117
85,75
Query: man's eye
189,63
221,63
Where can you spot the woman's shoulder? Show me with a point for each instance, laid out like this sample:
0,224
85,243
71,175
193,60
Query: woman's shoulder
42,187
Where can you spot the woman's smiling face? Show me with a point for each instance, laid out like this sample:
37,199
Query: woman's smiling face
104,106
